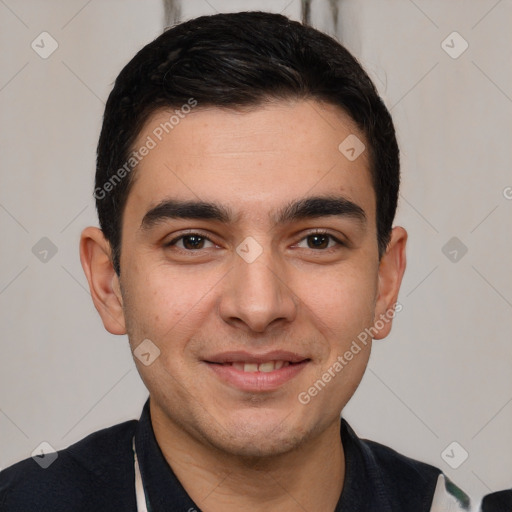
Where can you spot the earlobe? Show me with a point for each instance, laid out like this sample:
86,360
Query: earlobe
103,281
391,271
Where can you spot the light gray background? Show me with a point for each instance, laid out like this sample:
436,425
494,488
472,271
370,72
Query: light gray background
443,375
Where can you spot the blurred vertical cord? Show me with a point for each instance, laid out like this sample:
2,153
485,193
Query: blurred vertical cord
321,14
172,12
306,11
334,14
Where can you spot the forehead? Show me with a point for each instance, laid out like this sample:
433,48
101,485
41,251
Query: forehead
252,160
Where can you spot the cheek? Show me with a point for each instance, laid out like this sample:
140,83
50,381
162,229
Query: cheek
169,305
342,299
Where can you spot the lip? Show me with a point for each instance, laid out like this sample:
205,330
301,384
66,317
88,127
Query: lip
256,381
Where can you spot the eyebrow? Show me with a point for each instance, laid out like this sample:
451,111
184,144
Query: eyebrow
307,208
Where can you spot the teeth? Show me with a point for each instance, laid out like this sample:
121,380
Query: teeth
269,366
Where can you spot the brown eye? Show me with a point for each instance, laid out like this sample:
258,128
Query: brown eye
320,241
190,242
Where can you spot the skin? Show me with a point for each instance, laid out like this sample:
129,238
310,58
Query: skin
234,449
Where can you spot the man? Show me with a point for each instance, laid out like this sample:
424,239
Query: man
247,180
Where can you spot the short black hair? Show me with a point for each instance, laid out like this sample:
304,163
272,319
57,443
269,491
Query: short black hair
233,60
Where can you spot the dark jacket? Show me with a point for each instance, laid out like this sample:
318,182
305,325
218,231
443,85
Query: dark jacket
97,474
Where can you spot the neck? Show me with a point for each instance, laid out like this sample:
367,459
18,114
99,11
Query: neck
308,478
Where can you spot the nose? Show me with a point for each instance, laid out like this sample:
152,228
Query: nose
256,294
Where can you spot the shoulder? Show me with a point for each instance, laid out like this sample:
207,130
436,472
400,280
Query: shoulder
417,484
413,484
84,476
407,481
396,467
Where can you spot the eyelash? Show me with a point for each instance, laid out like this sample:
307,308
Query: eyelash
313,233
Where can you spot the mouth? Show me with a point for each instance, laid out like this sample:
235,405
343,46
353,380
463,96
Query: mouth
266,367
256,373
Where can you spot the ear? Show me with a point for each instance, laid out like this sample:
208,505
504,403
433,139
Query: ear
104,283
391,271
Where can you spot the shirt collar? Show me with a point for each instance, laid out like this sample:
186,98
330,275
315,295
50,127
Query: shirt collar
164,491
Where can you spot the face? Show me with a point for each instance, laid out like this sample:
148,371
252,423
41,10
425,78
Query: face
254,295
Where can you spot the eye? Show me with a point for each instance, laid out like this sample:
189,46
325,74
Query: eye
320,240
190,242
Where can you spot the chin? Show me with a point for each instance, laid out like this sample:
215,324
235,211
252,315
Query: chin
257,440
259,447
